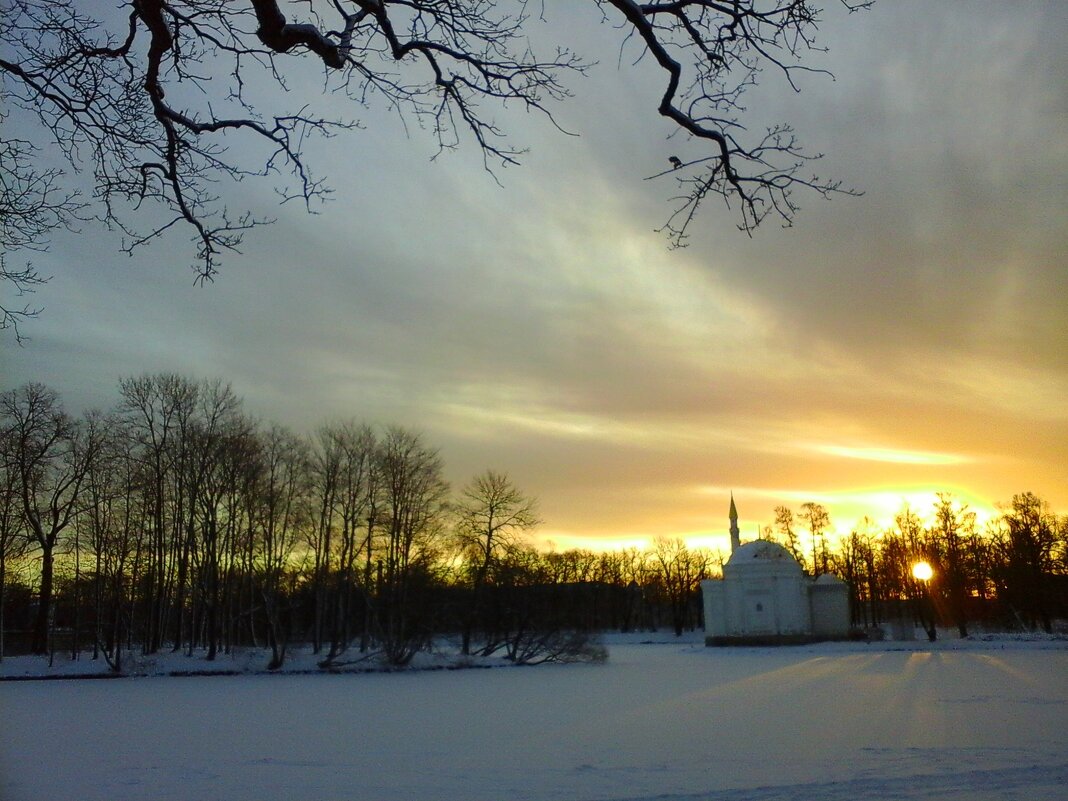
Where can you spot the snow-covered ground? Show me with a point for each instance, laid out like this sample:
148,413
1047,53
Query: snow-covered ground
667,720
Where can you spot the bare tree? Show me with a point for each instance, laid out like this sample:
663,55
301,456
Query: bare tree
950,543
326,475
817,520
49,458
354,515
414,496
222,458
108,517
158,410
282,510
150,97
1028,541
533,613
13,540
784,522
491,511
681,570
856,565
911,546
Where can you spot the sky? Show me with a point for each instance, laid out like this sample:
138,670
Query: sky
886,347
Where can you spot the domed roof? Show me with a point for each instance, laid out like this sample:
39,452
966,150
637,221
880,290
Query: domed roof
760,551
829,578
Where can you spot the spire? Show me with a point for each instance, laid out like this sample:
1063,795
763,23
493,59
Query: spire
735,533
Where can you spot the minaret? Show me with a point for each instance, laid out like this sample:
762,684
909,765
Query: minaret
735,533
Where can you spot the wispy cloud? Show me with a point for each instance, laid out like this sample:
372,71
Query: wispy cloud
891,455
884,348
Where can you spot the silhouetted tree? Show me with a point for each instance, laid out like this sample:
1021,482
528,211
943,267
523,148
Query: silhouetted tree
414,497
281,510
158,410
223,444
326,475
13,540
784,523
110,513
681,571
1028,544
490,513
817,520
353,513
49,457
906,548
855,564
949,544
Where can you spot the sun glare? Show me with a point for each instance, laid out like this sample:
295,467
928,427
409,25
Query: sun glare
922,571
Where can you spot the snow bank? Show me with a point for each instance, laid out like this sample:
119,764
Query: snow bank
241,661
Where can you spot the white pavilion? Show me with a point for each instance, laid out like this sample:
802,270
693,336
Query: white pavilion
766,598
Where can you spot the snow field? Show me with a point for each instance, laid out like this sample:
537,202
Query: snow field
667,721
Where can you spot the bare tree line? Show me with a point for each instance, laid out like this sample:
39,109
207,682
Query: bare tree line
175,521
1012,573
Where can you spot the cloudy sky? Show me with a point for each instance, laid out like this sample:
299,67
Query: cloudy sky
886,347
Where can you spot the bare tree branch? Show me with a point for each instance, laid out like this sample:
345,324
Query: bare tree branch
32,205
149,99
711,52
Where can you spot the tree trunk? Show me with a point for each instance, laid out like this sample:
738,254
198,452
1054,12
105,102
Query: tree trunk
98,604
75,645
39,644
3,586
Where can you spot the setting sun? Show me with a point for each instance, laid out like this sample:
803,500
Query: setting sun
922,571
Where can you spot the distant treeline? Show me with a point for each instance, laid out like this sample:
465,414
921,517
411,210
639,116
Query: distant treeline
176,521
1012,574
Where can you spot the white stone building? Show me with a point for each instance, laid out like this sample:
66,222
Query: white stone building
765,597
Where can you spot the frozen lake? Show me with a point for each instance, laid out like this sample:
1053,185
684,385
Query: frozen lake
665,721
